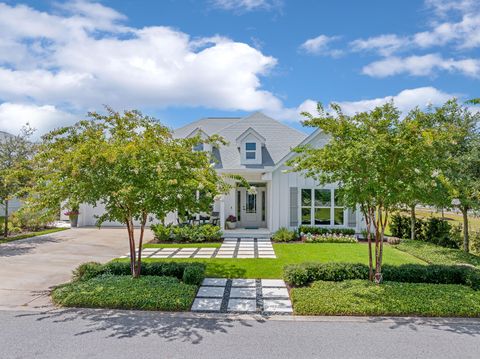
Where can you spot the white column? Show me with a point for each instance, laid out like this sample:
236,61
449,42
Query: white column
222,213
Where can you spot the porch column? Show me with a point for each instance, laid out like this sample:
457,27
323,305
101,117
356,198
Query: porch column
222,213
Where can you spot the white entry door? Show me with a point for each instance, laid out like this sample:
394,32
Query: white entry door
252,207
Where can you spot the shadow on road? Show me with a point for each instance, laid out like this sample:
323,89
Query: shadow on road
128,324
453,325
25,246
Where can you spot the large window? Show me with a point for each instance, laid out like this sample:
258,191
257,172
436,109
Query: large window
321,207
250,150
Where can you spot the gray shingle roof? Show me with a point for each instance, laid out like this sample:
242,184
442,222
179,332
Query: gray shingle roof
280,138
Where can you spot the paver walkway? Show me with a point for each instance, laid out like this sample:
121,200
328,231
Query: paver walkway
230,248
264,296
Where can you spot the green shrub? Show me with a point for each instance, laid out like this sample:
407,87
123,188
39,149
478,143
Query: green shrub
193,275
88,270
360,297
306,273
330,238
125,292
283,235
30,219
322,230
475,242
168,269
184,234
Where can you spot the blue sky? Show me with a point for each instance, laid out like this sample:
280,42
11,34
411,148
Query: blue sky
182,60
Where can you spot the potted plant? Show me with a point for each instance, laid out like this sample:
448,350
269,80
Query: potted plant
73,216
231,222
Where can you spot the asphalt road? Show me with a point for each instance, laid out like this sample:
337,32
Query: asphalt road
125,334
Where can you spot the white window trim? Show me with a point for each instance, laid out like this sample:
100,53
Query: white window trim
312,209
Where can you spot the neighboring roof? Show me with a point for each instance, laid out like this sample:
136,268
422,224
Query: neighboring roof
279,138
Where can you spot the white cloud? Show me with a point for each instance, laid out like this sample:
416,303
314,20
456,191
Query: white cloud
247,5
421,66
83,56
383,44
14,115
320,45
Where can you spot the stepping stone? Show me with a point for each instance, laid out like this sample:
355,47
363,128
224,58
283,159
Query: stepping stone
206,250
278,283
275,293
248,251
187,250
242,305
245,256
206,304
160,255
224,256
243,293
277,306
214,292
182,255
243,282
215,282
203,255
170,250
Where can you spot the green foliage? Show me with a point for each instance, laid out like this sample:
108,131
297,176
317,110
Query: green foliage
434,230
125,292
360,297
434,254
306,273
283,235
475,242
187,234
322,230
330,238
190,273
31,219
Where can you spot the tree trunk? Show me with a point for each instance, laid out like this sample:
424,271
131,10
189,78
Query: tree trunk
131,240
140,243
413,222
368,222
465,229
5,225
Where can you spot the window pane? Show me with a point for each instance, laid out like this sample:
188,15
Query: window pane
306,217
198,147
251,205
306,197
250,155
338,198
322,197
338,213
322,216
250,146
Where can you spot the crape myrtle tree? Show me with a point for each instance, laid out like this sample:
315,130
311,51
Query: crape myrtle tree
130,163
365,155
16,152
462,158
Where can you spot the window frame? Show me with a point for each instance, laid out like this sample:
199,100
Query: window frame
313,207
250,151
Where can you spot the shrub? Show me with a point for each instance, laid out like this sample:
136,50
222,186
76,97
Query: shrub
393,240
283,235
194,234
124,292
168,269
329,238
87,271
433,230
31,219
322,230
475,242
306,273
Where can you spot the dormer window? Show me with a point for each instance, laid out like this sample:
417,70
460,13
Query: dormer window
250,150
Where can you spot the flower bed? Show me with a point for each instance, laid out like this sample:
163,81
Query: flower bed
329,238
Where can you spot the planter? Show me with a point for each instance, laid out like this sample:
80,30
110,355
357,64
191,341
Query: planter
73,221
231,225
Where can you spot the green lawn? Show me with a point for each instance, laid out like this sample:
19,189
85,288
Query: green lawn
294,253
183,245
124,292
32,234
434,254
360,297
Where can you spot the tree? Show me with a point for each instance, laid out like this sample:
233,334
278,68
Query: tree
15,168
365,155
462,158
130,163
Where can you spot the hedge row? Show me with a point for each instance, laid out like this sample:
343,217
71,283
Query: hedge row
303,274
185,234
189,273
323,230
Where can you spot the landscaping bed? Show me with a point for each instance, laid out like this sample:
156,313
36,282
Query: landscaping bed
162,286
435,254
361,297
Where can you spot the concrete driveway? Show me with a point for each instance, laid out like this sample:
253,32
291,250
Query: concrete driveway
29,268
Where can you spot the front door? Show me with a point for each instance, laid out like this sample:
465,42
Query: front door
252,208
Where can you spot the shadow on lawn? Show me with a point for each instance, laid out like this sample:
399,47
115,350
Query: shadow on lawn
468,326
127,324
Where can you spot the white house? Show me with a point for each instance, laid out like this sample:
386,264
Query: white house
258,149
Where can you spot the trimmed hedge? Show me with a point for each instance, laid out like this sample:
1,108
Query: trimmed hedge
189,273
187,234
322,230
303,274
